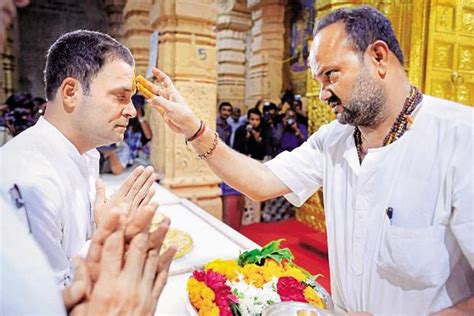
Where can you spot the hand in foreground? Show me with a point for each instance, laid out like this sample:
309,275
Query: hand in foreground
129,282
136,192
171,105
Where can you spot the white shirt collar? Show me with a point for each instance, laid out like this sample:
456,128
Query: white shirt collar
62,144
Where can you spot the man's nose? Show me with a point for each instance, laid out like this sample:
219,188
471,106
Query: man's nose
129,111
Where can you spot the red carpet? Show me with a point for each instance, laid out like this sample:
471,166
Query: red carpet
298,236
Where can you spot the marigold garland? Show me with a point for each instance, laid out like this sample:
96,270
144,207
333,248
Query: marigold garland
226,288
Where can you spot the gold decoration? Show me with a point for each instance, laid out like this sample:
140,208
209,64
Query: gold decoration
450,49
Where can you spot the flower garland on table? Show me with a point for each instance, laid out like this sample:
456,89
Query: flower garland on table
246,286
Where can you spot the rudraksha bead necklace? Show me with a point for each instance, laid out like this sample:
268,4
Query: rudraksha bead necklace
401,124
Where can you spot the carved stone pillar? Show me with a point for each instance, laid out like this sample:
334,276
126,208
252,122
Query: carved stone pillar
187,53
265,66
137,31
233,22
114,10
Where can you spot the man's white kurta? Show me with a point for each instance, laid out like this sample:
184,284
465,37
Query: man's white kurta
57,184
420,260
27,285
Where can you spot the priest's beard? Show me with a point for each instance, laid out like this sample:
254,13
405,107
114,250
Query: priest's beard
367,103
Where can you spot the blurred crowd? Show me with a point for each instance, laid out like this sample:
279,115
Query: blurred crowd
262,133
20,111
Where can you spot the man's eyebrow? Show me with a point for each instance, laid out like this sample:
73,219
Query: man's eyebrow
122,88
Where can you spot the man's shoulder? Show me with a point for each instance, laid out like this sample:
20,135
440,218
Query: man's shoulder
449,112
25,151
331,133
24,160
27,141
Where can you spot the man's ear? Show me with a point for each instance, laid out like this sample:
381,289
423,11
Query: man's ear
70,92
378,53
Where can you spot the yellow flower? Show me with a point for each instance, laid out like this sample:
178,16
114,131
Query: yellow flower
207,294
295,272
199,293
253,274
228,268
209,308
313,297
271,269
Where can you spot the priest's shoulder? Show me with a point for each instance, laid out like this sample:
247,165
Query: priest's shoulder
331,134
447,111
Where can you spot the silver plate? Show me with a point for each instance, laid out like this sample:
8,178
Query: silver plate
292,309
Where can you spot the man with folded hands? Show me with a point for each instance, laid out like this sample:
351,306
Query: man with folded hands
89,80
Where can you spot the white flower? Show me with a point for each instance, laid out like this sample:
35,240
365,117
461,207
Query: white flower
254,300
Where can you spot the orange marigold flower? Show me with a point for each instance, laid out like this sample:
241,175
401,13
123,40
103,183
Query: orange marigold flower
253,274
209,309
271,269
199,293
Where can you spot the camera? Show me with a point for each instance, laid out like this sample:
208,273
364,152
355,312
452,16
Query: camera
291,121
249,127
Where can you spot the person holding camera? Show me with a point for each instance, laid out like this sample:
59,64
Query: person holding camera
251,139
289,134
271,119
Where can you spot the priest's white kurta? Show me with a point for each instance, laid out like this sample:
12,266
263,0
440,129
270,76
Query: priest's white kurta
420,260
57,184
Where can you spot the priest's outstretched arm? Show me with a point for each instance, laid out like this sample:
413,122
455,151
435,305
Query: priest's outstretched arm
245,174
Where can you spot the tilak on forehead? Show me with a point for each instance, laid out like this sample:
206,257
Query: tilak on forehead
143,86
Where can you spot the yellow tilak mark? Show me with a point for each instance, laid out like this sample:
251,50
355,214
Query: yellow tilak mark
140,83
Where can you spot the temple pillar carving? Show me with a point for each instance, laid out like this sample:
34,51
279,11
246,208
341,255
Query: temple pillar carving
9,63
114,10
137,31
264,78
187,53
233,23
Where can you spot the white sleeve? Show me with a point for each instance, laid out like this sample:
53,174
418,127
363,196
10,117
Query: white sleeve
45,212
27,285
462,220
300,170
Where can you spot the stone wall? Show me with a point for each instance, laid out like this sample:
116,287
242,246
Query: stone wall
41,23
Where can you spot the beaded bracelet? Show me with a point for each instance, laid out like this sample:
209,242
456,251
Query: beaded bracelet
211,149
196,135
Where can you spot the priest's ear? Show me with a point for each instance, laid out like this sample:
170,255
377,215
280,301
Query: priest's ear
378,53
70,92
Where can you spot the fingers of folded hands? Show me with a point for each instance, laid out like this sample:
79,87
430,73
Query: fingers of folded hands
136,278
136,189
81,286
140,221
